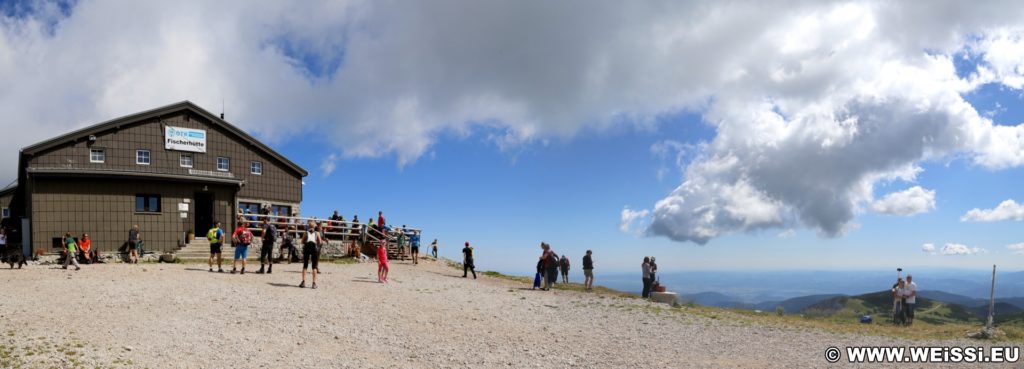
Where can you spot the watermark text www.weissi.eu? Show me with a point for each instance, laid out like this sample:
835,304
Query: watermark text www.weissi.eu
938,354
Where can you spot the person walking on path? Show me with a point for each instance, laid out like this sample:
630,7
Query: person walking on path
588,271
646,269
241,238
467,261
433,248
563,266
911,292
216,237
382,261
311,252
134,237
72,257
267,250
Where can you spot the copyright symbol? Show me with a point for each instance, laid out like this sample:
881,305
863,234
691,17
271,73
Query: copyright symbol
833,355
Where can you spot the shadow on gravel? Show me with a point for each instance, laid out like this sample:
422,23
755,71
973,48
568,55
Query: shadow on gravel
364,281
283,285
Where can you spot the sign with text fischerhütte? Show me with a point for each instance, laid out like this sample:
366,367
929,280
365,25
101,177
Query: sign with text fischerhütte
184,139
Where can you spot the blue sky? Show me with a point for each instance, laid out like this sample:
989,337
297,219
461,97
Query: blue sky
715,136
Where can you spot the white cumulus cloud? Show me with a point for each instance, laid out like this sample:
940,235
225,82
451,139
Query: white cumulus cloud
628,218
912,201
960,249
1017,248
810,103
328,164
1006,210
928,248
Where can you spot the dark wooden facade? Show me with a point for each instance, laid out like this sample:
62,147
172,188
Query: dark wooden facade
64,191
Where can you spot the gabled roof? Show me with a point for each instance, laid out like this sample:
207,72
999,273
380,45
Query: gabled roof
10,188
154,113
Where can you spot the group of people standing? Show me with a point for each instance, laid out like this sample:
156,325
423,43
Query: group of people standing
313,240
904,293
550,266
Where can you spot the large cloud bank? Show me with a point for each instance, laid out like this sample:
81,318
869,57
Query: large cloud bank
812,103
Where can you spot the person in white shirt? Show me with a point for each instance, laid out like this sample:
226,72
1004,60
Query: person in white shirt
911,296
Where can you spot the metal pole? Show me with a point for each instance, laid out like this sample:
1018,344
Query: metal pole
992,299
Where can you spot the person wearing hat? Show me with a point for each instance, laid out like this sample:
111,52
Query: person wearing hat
467,261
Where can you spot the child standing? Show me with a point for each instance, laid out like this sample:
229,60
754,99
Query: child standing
72,257
382,262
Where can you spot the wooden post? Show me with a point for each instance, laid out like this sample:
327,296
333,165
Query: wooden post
992,299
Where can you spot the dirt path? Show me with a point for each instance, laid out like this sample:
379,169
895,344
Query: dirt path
181,316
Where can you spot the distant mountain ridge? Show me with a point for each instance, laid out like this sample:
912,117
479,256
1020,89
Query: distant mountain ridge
828,304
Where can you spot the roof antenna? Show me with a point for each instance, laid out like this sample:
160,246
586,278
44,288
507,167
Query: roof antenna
222,108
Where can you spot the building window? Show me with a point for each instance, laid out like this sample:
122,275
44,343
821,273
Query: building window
147,203
249,210
223,164
281,210
256,168
97,155
185,161
6,213
142,157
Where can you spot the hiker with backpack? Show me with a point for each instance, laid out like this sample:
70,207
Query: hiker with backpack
216,237
241,239
563,266
267,251
899,292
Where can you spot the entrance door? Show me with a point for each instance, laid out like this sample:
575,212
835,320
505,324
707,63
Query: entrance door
204,212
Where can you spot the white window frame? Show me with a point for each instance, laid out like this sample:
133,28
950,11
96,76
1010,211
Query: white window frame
254,166
226,160
191,160
138,155
5,213
102,155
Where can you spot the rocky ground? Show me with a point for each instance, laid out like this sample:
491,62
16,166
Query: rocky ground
428,316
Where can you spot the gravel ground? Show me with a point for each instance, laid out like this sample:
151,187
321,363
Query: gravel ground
181,316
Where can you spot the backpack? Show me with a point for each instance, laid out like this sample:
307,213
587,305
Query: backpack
271,234
212,235
553,261
245,237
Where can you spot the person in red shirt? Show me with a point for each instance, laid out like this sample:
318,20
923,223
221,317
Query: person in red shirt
380,220
382,261
85,245
241,238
